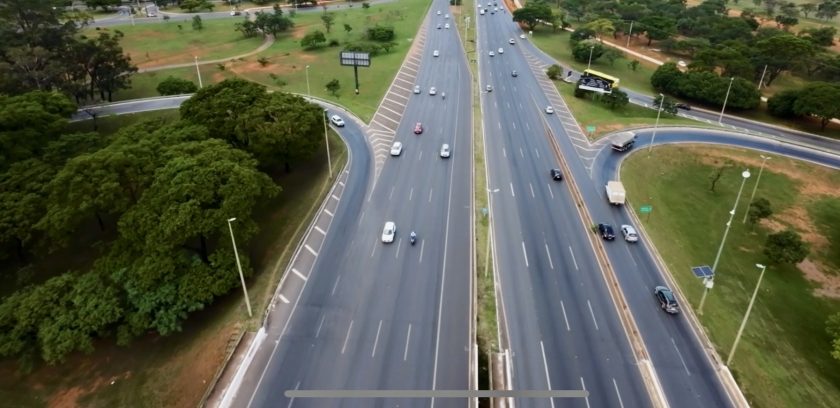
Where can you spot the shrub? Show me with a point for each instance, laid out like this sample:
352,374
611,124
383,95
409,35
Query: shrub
176,86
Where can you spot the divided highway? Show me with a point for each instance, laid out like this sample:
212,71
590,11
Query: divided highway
563,328
390,316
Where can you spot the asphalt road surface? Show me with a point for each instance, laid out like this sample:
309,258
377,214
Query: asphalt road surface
564,330
390,316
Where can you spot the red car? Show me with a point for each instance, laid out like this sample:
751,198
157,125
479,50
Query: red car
418,128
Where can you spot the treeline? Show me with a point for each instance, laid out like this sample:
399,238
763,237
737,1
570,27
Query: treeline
152,202
41,48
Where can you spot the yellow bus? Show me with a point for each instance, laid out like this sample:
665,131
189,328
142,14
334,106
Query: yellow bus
609,78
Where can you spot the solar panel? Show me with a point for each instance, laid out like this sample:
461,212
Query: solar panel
702,271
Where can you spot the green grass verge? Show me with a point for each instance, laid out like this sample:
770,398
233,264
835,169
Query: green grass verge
783,359
176,370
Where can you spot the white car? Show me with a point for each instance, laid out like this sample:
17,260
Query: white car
389,232
501,50
549,110
511,41
336,120
417,89
396,149
492,53
432,91
446,16
495,9
438,12
489,88
629,233
522,36
232,12
482,11
446,26
436,53
444,151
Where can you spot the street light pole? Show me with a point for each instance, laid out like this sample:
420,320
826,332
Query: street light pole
308,92
725,99
327,140
745,174
198,71
659,112
589,64
630,34
758,179
761,81
746,315
239,266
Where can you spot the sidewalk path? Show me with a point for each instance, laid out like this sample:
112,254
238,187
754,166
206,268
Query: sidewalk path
269,40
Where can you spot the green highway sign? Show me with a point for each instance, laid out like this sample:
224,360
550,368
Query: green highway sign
590,129
646,209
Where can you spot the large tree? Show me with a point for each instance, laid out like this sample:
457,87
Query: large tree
781,53
219,107
821,100
28,122
532,14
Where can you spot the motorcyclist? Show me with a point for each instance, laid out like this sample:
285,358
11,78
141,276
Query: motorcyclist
413,237
443,95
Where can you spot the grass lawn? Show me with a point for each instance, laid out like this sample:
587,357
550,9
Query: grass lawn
783,359
174,371
145,85
591,113
164,43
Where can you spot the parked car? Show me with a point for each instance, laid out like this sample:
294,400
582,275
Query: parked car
556,174
336,120
396,149
606,232
629,233
389,232
667,300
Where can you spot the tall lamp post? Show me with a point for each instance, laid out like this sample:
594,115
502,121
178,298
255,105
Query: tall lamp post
659,112
629,35
198,71
758,179
725,99
239,266
327,140
746,315
710,283
589,64
308,92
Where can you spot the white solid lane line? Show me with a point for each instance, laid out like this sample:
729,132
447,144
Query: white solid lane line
620,403
563,307
407,340
525,253
573,257
592,313
347,337
376,341
545,365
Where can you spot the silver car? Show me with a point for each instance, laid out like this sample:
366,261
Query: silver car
629,233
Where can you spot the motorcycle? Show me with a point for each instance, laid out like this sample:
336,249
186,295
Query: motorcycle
413,238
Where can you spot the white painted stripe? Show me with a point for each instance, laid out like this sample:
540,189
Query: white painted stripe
573,258
547,252
292,400
300,275
620,403
422,245
317,228
318,332
328,212
537,151
511,190
680,355
545,365
550,192
521,153
335,285
347,337
407,340
411,194
283,299
566,318
309,248
376,341
525,253
591,312
335,197
583,385
430,195
341,183
532,190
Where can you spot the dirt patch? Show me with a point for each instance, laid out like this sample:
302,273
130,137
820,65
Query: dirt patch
196,369
66,398
813,182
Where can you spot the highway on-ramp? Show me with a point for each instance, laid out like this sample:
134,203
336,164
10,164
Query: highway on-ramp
377,316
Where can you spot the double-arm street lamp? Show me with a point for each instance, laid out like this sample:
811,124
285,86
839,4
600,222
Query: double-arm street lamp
757,179
710,282
746,315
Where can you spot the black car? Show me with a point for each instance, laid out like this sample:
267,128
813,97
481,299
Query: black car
683,106
606,232
514,73
667,300
556,174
